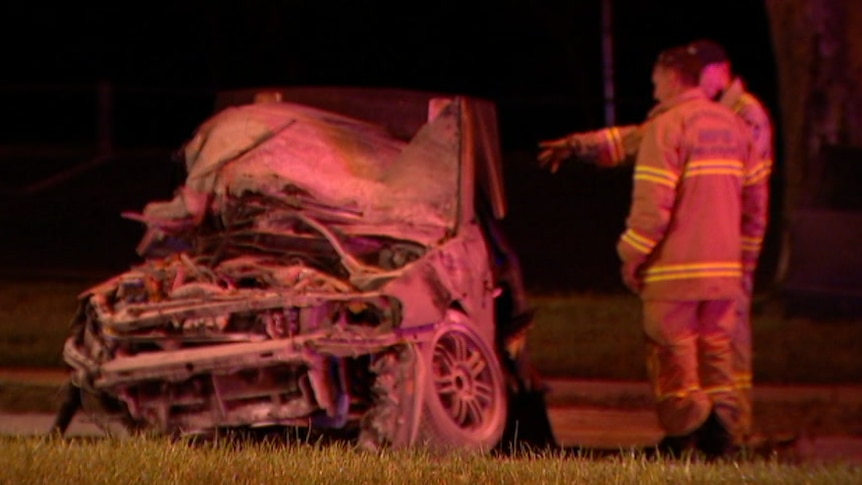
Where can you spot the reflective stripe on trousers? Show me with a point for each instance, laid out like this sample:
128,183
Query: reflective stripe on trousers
691,363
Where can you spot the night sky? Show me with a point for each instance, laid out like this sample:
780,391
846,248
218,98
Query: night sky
518,52
539,60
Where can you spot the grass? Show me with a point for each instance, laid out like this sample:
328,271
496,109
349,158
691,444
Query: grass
582,335
158,461
586,335
34,320
600,336
29,398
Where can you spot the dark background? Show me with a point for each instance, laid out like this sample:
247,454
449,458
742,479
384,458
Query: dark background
160,65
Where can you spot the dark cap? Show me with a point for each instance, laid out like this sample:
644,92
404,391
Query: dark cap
708,51
683,61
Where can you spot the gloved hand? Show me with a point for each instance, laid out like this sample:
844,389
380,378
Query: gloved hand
555,151
631,278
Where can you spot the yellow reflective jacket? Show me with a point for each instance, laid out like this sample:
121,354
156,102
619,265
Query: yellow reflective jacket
698,202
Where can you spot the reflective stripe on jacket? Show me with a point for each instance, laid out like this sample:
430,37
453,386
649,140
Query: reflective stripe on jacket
752,112
694,176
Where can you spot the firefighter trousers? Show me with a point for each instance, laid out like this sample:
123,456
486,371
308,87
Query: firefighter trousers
742,366
691,364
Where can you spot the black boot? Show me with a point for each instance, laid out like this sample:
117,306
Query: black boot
713,438
528,427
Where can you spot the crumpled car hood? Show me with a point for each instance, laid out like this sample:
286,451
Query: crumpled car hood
381,185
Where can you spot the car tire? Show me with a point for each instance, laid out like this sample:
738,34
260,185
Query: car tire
464,400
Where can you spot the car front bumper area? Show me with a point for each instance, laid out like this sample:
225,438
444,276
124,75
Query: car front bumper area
300,380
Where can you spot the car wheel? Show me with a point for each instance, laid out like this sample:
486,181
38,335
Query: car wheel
464,402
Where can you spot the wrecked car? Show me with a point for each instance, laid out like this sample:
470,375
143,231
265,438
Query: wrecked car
324,265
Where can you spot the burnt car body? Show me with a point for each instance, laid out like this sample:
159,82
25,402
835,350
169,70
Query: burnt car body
324,265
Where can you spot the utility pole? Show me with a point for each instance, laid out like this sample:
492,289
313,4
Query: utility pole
608,62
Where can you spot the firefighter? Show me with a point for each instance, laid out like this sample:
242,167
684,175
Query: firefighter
718,83
699,195
618,145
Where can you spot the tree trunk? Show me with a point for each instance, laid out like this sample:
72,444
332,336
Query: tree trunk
818,48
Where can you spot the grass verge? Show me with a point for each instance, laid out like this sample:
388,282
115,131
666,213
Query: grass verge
156,461
600,336
29,398
34,320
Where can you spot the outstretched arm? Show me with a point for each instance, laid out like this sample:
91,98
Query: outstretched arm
608,147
